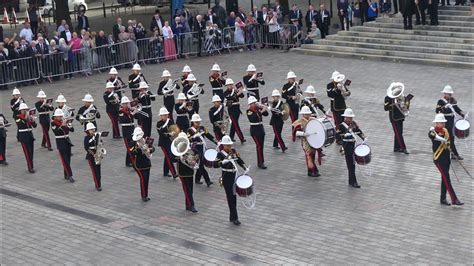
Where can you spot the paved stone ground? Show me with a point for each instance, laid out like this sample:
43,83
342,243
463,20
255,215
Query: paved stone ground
394,218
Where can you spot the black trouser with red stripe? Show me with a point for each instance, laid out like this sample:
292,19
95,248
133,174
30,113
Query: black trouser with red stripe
278,140
259,141
28,148
3,145
349,154
399,141
144,176
443,167
294,110
450,128
96,176
65,156
201,171
168,165
114,118
337,115
145,122
228,180
45,142
187,182
235,127
128,157
218,133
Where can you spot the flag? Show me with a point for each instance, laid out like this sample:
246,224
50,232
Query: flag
14,16
6,20
27,16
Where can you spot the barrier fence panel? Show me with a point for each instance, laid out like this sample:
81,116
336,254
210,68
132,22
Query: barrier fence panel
157,50
212,41
117,54
234,37
190,43
19,70
284,35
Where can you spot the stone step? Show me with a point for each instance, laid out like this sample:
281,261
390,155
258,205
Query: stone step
358,50
414,32
380,24
407,42
452,23
449,17
405,35
420,48
395,59
454,12
453,7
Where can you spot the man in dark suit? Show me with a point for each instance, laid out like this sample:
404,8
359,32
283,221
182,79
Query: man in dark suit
363,8
212,17
82,22
241,14
116,29
296,15
262,15
342,6
324,21
66,34
433,11
157,22
310,16
199,26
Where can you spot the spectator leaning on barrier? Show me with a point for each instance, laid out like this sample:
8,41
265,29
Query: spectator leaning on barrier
199,26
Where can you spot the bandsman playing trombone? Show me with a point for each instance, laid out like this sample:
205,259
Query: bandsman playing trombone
291,93
164,128
127,115
118,83
25,124
255,112
276,121
395,105
232,101
88,112
43,107
217,81
61,128
166,88
112,106
134,81
218,117
184,75
142,164
94,153
145,116
184,109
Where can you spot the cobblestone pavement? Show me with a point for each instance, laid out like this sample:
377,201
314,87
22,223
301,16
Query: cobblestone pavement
395,218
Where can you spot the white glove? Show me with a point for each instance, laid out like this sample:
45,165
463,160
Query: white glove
431,128
448,105
301,134
347,135
225,161
439,138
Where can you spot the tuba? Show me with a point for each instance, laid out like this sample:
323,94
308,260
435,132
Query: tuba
170,86
145,148
194,91
395,91
100,151
181,147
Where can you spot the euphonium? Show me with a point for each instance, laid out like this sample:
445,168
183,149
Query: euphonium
100,151
145,148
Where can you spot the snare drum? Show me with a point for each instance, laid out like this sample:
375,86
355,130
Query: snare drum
362,154
210,157
244,186
461,129
321,133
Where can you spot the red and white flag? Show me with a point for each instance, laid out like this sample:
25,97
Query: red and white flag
6,20
27,16
15,20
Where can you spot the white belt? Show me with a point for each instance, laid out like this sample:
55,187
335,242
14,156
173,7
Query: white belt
229,170
25,130
236,103
127,125
135,89
91,148
146,106
252,89
215,89
348,140
181,114
198,143
450,114
62,136
256,124
43,113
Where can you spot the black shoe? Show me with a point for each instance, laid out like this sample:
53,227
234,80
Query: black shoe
166,175
236,222
43,146
175,176
445,202
355,185
417,23
410,27
405,27
262,166
32,171
243,141
423,23
145,199
71,179
4,163
456,157
193,210
209,184
405,152
198,182
99,189
284,149
50,149
276,148
457,203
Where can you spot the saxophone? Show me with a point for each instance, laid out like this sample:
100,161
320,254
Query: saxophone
100,151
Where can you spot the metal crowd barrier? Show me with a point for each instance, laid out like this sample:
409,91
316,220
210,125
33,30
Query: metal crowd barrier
236,37
284,35
190,43
19,70
157,50
117,54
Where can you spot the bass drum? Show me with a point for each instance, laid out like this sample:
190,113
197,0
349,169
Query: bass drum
362,154
244,186
210,157
321,133
462,129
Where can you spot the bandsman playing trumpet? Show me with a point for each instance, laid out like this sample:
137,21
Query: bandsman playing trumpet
25,124
3,140
184,109
135,79
255,112
439,136
276,121
118,83
217,81
184,75
92,144
61,128
218,118
337,92
192,91
43,107
127,117
251,81
299,130
396,114
448,106
232,96
142,164
145,117
112,106
164,128
166,88
88,112
291,93
312,102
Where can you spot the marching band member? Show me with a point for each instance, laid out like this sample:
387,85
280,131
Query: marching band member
135,79
184,75
232,96
217,81
448,106
337,92
43,108
439,136
290,94
191,80
145,117
312,101
91,145
3,140
396,116
196,134
68,111
216,116
227,159
61,128
166,135
277,120
299,128
127,121
142,163
112,102
183,110
118,83
168,93
186,175
254,114
15,102
347,131
251,81
25,124
88,112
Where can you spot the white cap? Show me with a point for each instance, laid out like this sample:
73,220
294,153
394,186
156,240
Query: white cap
216,98
226,140
190,78
251,100
58,112
186,69
340,77
196,118
113,71
124,99
136,67
164,111
348,113
90,126
41,94
61,99
439,118
310,89
276,93
181,96
16,91
137,134
216,67
448,89
305,110
251,67
109,85
143,85
291,75
88,98
229,82
166,73
334,74
23,106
